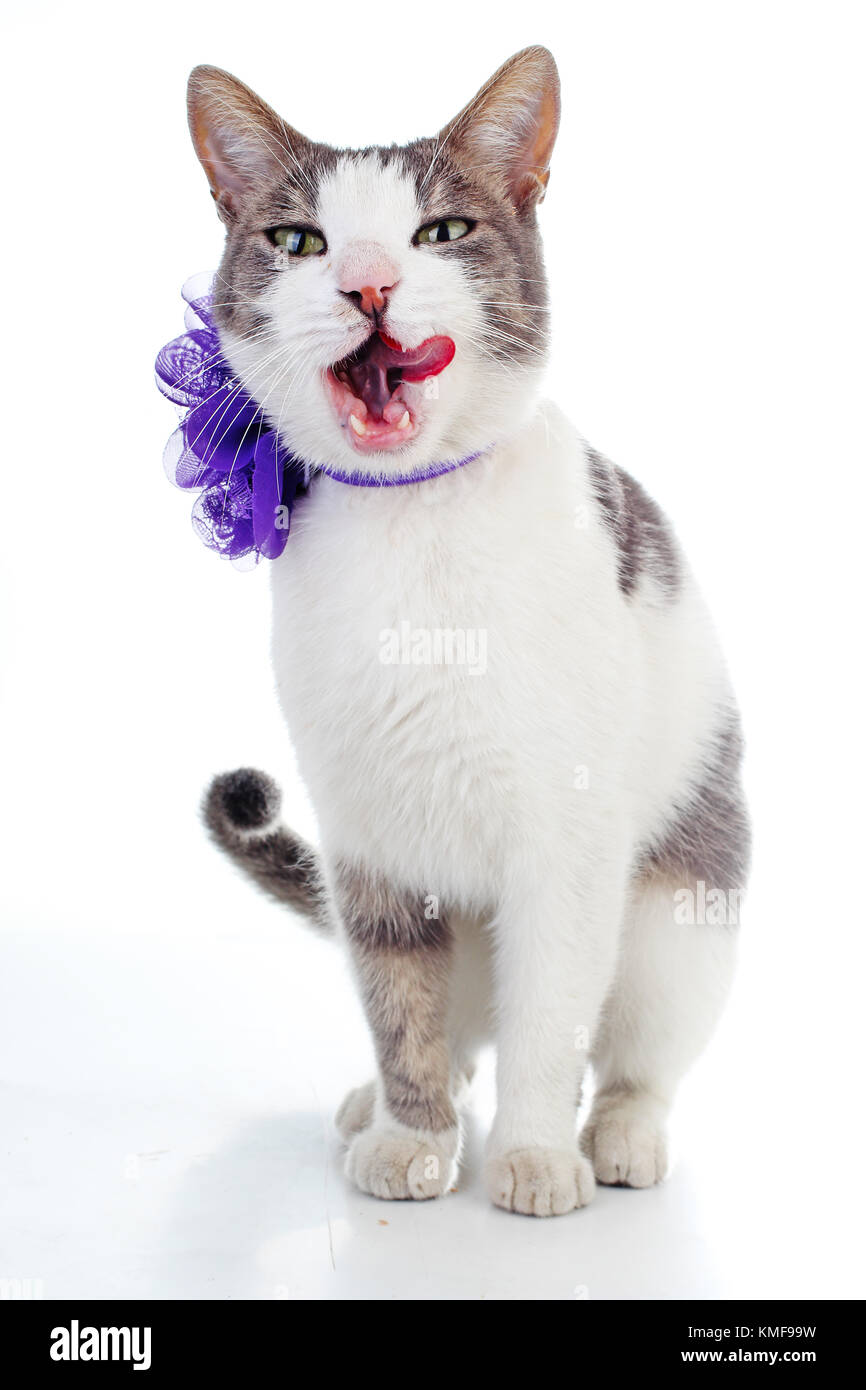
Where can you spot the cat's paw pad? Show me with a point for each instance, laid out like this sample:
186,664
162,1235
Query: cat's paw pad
356,1112
628,1148
540,1182
399,1166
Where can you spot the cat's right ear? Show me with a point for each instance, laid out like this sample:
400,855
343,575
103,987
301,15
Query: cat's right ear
240,141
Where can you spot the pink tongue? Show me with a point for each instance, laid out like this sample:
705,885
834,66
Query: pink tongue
384,366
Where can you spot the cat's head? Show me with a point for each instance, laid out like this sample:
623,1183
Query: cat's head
387,307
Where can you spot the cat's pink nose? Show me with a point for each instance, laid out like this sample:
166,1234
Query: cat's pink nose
368,287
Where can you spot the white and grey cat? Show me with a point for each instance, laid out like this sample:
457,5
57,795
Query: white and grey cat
502,685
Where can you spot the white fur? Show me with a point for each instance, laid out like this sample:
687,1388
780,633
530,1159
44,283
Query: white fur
463,786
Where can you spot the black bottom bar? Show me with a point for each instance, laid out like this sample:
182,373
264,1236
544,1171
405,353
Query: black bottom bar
221,1339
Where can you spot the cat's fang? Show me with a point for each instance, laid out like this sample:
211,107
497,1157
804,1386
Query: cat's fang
358,425
404,422
395,411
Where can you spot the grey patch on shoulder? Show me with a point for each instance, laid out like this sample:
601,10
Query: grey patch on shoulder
709,837
645,541
241,811
403,962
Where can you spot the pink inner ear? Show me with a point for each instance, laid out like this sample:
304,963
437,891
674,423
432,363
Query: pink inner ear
530,173
510,126
229,173
237,137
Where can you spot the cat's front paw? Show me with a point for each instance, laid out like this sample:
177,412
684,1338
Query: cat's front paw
540,1182
397,1166
625,1139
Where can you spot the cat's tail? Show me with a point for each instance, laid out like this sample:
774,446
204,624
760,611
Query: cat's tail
241,810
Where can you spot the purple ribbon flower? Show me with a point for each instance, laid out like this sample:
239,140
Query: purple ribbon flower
224,446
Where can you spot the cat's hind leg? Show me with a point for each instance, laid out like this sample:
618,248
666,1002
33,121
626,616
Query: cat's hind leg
672,980
674,970
403,955
469,1024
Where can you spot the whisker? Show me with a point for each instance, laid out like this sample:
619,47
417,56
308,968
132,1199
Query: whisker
261,421
211,445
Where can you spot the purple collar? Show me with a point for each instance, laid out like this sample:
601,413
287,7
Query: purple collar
247,481
435,470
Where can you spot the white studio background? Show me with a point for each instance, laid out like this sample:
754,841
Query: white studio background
172,1045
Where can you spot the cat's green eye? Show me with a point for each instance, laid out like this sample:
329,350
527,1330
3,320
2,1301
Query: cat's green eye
449,229
298,241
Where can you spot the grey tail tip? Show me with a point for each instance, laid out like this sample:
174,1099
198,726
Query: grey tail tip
241,810
245,800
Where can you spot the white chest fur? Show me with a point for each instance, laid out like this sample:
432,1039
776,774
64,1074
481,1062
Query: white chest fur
458,668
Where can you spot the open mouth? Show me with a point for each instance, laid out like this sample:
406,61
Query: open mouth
366,388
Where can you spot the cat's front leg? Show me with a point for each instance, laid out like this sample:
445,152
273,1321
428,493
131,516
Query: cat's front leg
403,960
555,950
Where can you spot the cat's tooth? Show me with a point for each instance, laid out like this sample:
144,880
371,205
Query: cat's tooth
357,425
404,421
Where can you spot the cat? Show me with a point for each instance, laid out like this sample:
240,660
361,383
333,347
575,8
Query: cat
545,845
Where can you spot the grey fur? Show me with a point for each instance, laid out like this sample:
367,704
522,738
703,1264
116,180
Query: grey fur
501,256
402,957
645,541
403,961
240,810
709,837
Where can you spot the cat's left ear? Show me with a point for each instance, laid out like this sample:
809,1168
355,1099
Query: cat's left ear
508,130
